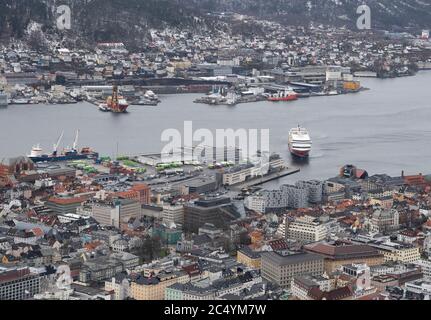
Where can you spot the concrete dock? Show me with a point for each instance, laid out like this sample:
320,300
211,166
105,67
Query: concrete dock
271,177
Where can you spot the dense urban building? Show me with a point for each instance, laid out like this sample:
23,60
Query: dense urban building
337,255
154,288
19,284
280,268
220,212
308,229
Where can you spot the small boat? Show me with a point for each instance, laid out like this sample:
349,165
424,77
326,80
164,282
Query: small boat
150,95
104,107
286,95
20,101
146,102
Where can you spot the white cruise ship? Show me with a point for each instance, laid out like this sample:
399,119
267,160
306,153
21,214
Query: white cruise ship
300,142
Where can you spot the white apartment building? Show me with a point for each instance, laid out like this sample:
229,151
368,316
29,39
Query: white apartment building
308,229
426,268
241,174
419,287
121,288
173,214
399,253
256,203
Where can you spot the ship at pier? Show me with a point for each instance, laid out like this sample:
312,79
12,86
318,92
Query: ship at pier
115,103
68,154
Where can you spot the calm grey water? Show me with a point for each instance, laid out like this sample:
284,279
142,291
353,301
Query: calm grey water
384,130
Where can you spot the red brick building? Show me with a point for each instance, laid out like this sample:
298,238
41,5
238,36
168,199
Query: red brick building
12,167
139,192
144,192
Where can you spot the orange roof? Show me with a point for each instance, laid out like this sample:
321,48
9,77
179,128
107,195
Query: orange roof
256,234
92,245
38,232
415,180
140,186
127,194
64,201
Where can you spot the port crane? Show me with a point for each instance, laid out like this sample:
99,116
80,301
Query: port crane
55,151
75,143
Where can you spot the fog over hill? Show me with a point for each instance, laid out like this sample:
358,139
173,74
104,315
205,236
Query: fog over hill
385,13
100,20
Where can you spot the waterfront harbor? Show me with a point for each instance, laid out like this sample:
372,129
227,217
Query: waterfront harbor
232,150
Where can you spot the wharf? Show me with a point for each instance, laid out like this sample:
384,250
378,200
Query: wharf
268,178
220,101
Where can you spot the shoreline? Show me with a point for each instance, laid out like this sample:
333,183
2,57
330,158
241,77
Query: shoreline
166,91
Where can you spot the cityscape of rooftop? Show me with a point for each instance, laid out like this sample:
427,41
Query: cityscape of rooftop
215,152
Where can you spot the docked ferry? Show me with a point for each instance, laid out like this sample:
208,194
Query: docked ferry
300,142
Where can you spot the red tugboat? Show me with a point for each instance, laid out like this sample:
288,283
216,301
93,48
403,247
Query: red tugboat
283,96
115,103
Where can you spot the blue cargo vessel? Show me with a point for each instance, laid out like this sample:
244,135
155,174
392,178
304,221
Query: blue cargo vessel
68,156
37,154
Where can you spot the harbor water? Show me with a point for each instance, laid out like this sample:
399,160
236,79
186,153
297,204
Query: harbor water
383,130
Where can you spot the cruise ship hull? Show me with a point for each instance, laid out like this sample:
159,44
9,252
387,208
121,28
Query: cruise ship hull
299,153
289,98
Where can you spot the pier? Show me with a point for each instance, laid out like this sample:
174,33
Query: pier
268,178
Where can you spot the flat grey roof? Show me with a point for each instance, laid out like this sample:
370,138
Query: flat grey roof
296,258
